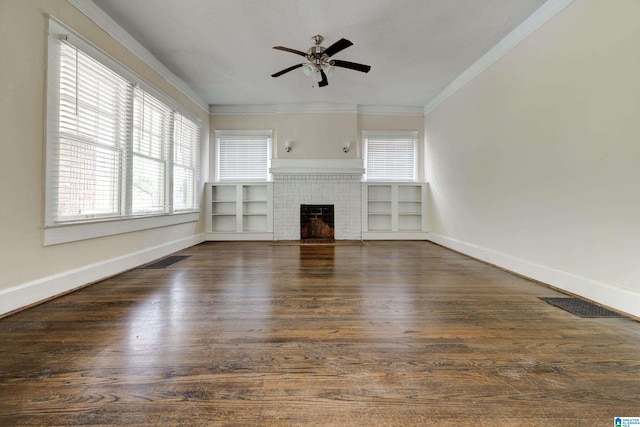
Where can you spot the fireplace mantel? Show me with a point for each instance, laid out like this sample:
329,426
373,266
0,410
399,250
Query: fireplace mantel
316,167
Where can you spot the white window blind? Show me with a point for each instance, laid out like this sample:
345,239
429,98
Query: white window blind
390,156
185,163
152,121
92,137
114,150
243,156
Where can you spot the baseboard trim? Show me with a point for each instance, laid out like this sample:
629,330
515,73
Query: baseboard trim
620,299
395,235
239,236
31,293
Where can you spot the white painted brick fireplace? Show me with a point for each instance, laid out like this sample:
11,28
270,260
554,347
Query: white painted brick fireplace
334,182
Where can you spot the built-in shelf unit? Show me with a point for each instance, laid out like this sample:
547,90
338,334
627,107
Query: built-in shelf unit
239,211
394,211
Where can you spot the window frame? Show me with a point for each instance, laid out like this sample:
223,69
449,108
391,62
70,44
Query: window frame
57,230
390,135
258,134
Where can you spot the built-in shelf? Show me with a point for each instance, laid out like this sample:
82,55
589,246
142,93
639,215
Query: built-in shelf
244,211
394,211
239,211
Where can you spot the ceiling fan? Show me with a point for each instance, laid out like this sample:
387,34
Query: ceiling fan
318,63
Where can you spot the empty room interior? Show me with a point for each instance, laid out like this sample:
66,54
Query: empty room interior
340,212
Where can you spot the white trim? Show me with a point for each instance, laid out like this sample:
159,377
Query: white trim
104,21
52,113
390,110
390,134
220,133
249,109
395,235
267,109
261,109
316,166
242,236
316,108
537,19
621,299
64,233
40,290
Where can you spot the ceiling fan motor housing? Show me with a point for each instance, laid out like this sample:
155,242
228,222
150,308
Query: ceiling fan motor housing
315,54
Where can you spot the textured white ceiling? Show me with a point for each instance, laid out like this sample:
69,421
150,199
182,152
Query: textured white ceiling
223,48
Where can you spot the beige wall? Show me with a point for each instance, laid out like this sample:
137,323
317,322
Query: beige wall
319,135
23,27
538,158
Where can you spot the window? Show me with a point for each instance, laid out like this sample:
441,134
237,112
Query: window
243,155
89,151
116,147
390,156
185,163
152,121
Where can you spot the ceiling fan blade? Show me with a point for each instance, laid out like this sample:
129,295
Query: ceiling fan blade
338,46
324,82
351,65
287,49
286,70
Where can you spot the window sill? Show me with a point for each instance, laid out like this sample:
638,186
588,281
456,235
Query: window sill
65,233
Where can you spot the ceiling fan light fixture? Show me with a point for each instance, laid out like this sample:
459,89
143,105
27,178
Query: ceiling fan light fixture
308,69
328,69
319,64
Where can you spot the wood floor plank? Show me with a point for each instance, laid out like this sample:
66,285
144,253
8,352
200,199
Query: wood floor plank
247,333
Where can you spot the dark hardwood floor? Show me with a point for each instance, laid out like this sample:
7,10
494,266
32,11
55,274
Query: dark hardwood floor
386,334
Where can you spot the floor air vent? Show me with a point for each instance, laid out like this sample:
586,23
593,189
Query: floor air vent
580,307
166,262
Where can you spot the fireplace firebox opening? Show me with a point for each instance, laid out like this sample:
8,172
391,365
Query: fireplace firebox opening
317,222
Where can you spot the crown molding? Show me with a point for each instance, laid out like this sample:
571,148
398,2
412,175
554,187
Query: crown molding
242,109
316,108
537,19
89,9
390,110
258,109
